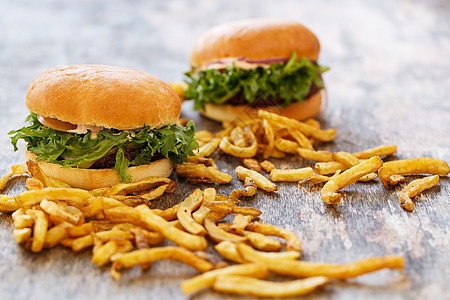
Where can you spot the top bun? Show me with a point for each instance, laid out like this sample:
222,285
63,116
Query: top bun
107,96
255,39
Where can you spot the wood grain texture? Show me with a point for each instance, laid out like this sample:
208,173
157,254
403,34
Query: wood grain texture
389,83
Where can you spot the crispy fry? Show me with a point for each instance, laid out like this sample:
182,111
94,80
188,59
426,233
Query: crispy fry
152,194
268,289
267,166
228,207
327,168
318,178
237,136
22,220
261,181
308,130
179,237
329,191
270,137
368,177
75,197
136,187
108,235
15,170
301,139
209,195
291,174
248,191
383,150
247,151
414,188
33,184
298,268
22,235
81,243
251,164
218,234
184,214
80,230
180,254
293,241
56,234
239,223
104,252
200,171
287,146
8,203
311,154
169,214
94,207
262,242
207,149
39,229
207,279
412,166
345,158
36,172
51,208
122,214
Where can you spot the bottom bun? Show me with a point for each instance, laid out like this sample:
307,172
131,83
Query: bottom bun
299,111
90,179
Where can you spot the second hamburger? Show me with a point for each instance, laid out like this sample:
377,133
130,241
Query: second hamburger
271,64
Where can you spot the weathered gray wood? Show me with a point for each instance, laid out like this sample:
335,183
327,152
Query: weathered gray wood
388,84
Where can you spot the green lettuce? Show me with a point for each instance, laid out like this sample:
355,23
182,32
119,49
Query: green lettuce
290,81
75,150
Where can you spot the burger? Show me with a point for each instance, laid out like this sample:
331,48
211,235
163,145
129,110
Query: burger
93,126
271,64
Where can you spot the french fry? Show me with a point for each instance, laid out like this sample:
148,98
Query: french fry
207,149
39,229
8,204
262,242
239,223
251,164
80,230
184,214
179,237
267,166
287,146
291,174
209,195
248,191
207,279
327,168
94,207
261,181
15,170
268,289
227,207
22,235
300,139
298,268
218,234
56,234
137,257
108,235
80,243
104,252
54,209
414,188
200,171
75,197
137,187
37,173
311,154
270,137
412,166
329,191
169,214
234,150
237,136
308,130
293,241
21,219
345,158
33,184
383,150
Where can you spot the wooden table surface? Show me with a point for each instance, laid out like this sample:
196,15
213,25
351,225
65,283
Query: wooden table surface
388,84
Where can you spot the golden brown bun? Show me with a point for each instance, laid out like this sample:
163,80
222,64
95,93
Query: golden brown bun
255,39
97,178
108,96
300,111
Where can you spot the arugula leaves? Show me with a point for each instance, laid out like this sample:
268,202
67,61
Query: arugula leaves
290,81
77,150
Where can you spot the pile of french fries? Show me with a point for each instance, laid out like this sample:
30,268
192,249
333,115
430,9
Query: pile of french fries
272,135
123,230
